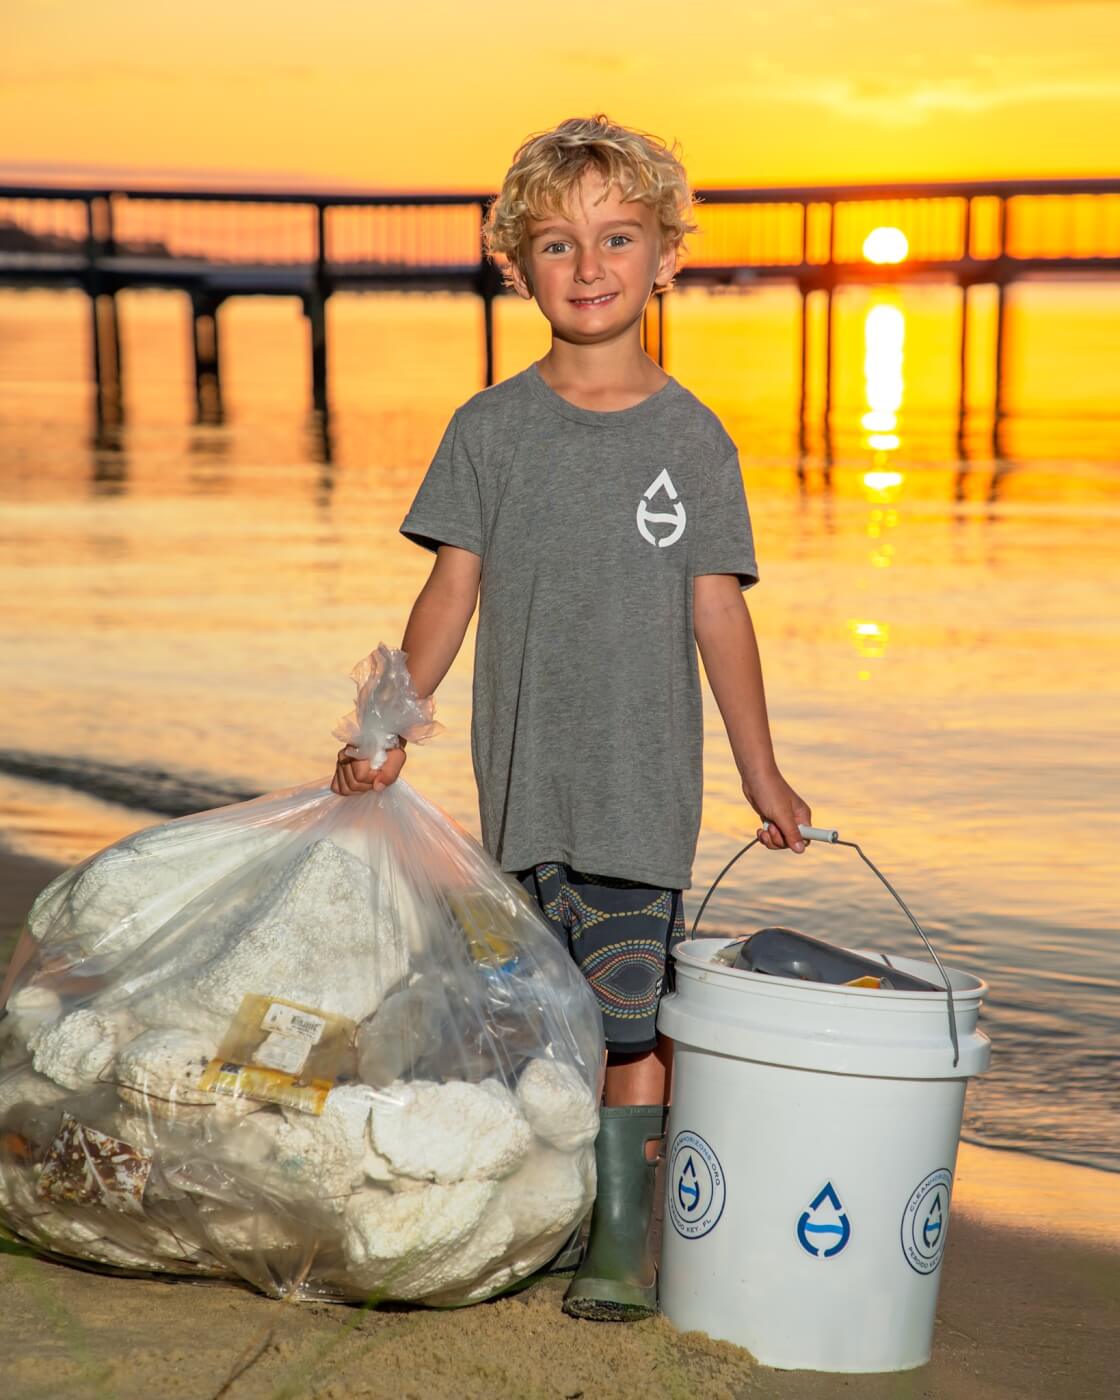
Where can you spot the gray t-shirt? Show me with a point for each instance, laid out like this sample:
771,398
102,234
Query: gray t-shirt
587,722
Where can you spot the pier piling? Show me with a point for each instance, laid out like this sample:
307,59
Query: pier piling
207,363
962,371
315,309
105,338
803,368
1001,351
829,333
106,341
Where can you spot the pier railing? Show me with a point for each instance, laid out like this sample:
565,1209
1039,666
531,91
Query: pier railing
214,244
952,228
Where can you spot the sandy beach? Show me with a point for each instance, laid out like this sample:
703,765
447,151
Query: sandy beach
1029,1304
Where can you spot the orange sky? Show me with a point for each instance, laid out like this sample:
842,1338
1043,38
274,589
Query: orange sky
437,93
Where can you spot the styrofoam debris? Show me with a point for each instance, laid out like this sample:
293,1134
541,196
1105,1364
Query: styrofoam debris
130,891
421,1242
450,1132
379,1169
550,1192
77,1050
324,1155
392,896
557,1104
24,1086
544,1201
30,1009
159,1072
304,937
252,1232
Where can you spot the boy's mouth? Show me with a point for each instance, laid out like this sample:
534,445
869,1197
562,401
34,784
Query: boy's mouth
589,302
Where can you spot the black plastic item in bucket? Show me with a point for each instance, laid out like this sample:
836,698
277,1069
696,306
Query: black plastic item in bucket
787,952
829,836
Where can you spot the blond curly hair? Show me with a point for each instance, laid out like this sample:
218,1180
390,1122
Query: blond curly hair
549,165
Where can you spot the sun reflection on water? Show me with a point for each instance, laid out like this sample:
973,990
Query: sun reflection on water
884,337
870,638
881,482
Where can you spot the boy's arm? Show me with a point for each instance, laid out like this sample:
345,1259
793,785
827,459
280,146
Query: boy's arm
440,617
725,635
436,628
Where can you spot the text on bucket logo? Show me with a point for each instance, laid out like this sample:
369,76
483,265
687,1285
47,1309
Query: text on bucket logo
663,482
925,1221
824,1229
696,1189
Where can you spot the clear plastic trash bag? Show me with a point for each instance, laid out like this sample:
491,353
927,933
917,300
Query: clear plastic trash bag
317,1042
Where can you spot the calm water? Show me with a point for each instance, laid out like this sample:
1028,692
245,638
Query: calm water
182,606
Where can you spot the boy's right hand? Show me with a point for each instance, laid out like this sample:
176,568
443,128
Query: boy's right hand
354,775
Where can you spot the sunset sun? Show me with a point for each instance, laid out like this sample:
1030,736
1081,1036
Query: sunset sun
885,245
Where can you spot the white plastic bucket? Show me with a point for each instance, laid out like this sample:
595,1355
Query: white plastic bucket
810,1155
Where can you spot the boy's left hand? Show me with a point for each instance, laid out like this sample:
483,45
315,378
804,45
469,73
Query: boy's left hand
776,802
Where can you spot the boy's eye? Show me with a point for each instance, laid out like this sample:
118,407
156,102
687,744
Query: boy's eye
615,236
550,246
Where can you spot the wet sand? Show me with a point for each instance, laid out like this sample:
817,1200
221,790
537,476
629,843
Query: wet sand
1030,1299
21,879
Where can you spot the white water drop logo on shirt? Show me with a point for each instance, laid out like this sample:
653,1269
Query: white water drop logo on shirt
647,517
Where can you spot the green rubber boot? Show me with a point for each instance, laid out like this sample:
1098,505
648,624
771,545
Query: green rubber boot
617,1281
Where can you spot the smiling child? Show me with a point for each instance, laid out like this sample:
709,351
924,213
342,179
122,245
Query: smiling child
593,509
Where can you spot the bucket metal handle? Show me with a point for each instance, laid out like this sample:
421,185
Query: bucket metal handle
831,837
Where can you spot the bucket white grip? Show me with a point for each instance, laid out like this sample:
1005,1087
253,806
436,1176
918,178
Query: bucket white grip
831,837
816,833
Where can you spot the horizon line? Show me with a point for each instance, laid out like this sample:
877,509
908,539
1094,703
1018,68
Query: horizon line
76,174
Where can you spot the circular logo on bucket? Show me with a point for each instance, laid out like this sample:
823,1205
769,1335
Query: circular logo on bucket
696,1188
925,1221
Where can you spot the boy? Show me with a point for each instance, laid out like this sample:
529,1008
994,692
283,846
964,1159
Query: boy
597,510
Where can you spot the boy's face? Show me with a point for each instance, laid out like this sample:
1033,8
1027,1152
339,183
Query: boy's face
593,268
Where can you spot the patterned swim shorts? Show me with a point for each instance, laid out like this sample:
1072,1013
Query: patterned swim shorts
620,934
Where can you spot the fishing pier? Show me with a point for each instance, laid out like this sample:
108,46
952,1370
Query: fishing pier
212,245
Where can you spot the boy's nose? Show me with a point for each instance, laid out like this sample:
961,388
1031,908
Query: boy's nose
589,268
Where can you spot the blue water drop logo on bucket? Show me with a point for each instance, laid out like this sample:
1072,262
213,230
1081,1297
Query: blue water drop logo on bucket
688,1187
695,1186
824,1229
925,1221
931,1226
